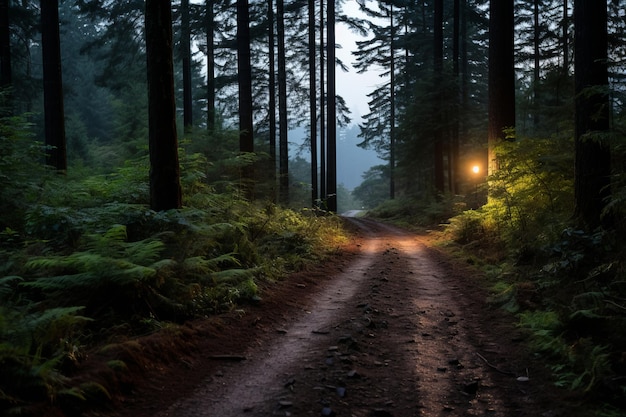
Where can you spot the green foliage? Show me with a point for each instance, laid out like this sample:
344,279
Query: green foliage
20,168
34,346
530,195
414,212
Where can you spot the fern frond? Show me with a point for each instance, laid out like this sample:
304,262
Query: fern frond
232,276
199,265
144,252
55,323
7,286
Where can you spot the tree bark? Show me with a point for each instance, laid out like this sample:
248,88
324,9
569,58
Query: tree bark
53,86
272,94
283,142
165,189
313,104
593,155
453,155
437,107
244,78
323,194
5,45
392,105
185,43
501,75
6,101
210,48
331,176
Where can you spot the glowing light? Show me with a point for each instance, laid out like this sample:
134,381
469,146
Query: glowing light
475,169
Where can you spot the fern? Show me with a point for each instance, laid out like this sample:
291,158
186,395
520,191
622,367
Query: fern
232,276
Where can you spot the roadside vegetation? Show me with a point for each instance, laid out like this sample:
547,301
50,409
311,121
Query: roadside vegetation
85,264
566,286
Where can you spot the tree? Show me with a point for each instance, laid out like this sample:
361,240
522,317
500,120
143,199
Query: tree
6,102
593,154
331,174
210,58
53,86
392,105
283,144
165,189
244,80
437,106
5,45
312,102
271,86
501,75
185,43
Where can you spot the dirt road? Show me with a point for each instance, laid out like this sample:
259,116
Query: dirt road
393,329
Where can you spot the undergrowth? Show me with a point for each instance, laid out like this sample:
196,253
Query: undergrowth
566,285
83,260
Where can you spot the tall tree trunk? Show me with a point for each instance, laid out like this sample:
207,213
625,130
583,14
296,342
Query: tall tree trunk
392,104
593,155
210,56
437,107
537,63
53,86
323,193
313,103
185,43
565,40
453,156
6,105
244,78
5,45
331,177
165,189
283,143
272,95
501,75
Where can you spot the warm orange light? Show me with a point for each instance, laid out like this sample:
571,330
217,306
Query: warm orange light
475,169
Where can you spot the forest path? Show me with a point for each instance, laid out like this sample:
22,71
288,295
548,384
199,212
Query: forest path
396,330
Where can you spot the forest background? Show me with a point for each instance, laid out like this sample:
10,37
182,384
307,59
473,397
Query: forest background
90,253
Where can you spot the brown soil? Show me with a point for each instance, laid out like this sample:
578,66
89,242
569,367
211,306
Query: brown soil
389,327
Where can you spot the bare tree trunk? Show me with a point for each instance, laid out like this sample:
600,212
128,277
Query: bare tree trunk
6,95
331,178
537,62
210,47
244,78
323,193
501,75
313,104
437,108
565,38
283,142
53,86
593,154
165,189
453,156
185,43
272,94
392,103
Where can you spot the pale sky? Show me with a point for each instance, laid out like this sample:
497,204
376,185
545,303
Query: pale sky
353,87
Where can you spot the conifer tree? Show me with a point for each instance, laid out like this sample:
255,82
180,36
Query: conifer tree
165,189
501,75
593,152
53,86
